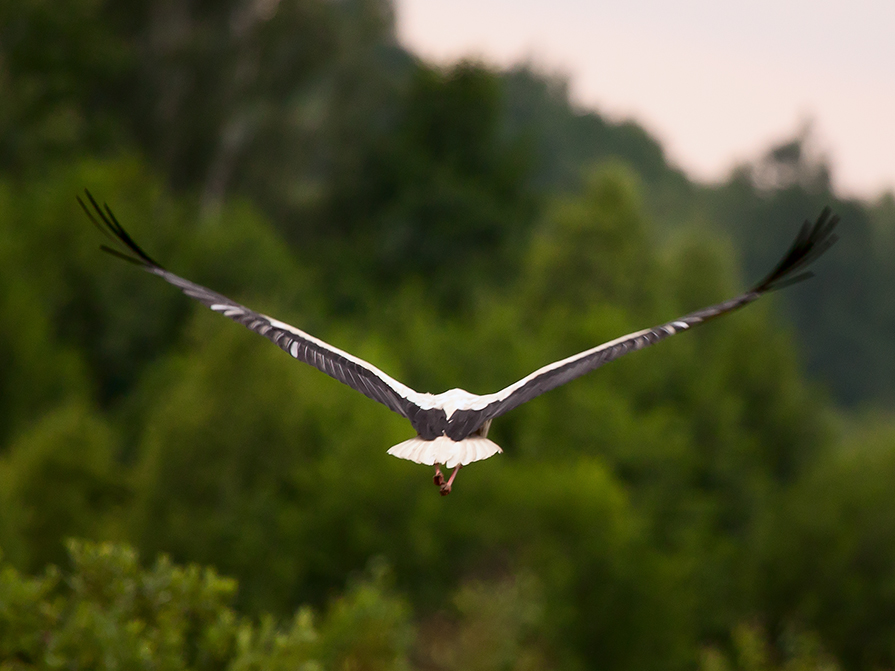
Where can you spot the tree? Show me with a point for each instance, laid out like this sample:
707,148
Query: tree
108,612
438,196
828,549
59,479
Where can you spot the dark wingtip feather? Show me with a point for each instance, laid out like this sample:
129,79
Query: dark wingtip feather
811,242
104,219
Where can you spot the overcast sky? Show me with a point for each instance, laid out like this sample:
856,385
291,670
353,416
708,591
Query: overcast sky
716,81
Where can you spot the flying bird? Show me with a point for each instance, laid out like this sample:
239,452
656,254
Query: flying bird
452,427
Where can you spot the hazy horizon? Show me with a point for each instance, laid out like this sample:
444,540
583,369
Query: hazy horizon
717,84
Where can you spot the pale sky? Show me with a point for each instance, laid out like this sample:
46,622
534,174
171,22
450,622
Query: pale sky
717,82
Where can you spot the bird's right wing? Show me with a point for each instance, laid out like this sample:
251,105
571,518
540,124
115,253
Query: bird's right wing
812,241
348,369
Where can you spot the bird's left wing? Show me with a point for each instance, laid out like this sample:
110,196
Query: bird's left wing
812,241
348,369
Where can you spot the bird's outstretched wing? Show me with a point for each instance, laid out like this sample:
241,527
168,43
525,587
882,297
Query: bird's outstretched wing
348,369
811,242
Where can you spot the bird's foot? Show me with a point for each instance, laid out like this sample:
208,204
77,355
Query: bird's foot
439,478
445,488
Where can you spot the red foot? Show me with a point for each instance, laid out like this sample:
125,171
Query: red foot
445,488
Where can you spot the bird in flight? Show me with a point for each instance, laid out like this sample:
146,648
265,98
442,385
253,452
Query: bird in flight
452,427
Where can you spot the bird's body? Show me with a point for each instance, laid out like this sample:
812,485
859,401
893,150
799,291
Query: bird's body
452,427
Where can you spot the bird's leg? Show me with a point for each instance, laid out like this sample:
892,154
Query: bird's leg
446,487
439,478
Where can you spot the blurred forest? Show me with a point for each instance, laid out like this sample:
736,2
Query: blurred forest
175,493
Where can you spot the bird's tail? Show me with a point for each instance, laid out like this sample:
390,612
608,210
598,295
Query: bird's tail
445,451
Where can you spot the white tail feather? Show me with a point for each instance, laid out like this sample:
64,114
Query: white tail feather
445,451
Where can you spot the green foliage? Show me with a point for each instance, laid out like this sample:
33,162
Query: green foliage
796,651
365,629
58,479
566,140
456,226
294,482
55,264
619,493
58,64
829,548
36,369
440,195
593,251
842,309
494,624
216,95
110,613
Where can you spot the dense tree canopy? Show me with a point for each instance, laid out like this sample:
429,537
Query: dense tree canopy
718,500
